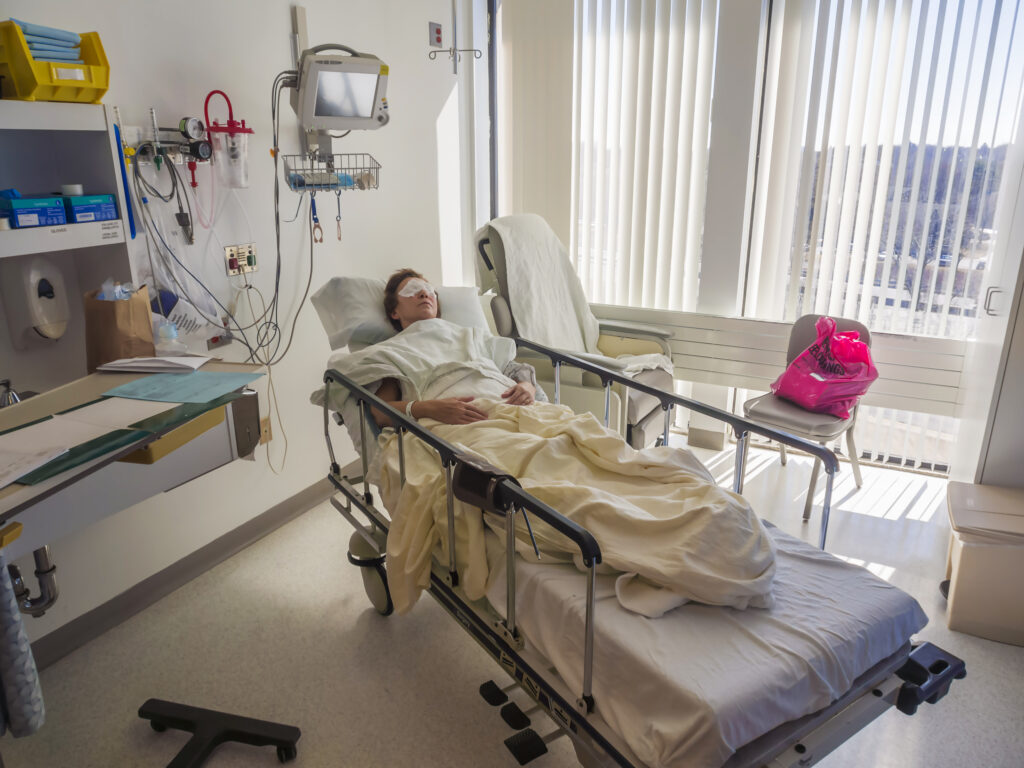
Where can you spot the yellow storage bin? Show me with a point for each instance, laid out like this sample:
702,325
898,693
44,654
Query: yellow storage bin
22,77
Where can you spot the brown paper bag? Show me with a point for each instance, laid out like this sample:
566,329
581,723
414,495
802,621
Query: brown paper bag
117,329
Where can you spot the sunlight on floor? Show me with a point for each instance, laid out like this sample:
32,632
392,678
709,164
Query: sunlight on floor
888,493
883,572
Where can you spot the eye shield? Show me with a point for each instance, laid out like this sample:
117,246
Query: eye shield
415,285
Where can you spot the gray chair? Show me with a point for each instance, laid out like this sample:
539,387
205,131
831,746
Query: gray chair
772,411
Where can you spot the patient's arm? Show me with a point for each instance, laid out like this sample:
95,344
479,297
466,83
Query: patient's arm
449,410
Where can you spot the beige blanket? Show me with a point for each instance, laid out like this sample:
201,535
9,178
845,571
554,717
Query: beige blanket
659,518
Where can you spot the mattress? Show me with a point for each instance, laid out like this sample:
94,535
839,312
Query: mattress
692,687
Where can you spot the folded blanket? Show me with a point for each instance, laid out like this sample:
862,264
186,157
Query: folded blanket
544,292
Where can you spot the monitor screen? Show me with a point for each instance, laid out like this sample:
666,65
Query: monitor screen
345,94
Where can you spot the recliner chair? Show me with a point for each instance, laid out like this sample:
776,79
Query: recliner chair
637,416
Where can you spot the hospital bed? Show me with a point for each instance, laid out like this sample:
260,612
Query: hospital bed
702,685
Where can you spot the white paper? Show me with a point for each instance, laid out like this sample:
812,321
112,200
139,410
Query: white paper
57,432
165,364
116,412
16,463
190,321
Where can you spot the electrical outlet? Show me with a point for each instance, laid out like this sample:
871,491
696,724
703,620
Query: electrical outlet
265,434
435,35
239,259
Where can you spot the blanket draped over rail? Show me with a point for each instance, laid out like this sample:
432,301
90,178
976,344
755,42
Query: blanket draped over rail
657,514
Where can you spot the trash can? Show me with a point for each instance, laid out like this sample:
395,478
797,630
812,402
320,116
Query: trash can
985,566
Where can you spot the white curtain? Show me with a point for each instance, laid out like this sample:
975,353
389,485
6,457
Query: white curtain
642,77
886,127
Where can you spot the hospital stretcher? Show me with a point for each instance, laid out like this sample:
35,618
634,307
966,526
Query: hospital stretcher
911,675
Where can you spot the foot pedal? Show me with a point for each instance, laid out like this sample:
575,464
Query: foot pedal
514,716
526,746
492,694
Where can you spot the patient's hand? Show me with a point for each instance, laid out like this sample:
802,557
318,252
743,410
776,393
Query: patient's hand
521,394
451,410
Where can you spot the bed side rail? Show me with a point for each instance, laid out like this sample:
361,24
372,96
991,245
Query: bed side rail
487,487
742,427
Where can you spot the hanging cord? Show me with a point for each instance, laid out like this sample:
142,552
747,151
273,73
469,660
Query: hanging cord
152,231
273,407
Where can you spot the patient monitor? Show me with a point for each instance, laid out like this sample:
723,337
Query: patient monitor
339,89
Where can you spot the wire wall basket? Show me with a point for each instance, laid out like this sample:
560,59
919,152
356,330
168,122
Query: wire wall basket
331,172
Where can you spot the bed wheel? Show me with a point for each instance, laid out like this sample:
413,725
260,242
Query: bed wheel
284,754
375,582
375,578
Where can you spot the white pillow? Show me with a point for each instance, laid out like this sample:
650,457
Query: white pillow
351,310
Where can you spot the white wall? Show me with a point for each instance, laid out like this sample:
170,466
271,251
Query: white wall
535,124
169,57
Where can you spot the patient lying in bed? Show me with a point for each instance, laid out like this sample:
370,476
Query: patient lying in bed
665,528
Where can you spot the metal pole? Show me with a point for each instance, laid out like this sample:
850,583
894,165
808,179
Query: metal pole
607,401
510,568
668,423
362,453
558,382
829,477
455,42
450,490
327,424
588,647
741,460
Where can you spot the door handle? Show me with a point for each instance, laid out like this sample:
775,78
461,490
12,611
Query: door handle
992,291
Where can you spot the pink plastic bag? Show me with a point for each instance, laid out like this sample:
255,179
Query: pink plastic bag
830,375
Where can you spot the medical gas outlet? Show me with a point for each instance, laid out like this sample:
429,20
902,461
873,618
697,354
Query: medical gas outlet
240,259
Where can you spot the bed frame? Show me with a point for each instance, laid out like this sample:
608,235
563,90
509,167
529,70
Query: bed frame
905,680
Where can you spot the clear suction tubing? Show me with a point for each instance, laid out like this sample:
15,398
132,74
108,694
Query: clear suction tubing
230,145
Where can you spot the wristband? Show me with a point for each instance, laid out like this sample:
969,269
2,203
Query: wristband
408,410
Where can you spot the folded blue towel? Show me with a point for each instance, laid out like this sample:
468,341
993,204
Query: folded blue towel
40,40
58,61
47,53
54,48
41,31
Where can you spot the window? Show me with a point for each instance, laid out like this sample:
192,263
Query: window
641,116
885,134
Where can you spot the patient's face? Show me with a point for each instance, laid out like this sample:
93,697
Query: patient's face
422,305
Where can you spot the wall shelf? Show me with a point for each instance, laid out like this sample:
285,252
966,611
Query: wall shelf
51,116
62,237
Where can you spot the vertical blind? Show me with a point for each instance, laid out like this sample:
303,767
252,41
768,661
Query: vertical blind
642,76
886,127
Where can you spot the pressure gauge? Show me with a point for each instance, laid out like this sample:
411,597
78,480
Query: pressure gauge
191,128
200,150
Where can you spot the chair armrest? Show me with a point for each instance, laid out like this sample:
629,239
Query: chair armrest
629,328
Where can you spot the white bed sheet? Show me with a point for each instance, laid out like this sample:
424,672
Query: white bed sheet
690,688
